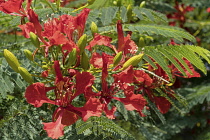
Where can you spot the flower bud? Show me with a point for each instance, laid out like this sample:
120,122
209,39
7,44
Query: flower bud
29,55
34,39
82,43
117,2
129,13
25,75
117,58
93,28
141,42
11,60
133,61
142,4
84,61
72,58
90,2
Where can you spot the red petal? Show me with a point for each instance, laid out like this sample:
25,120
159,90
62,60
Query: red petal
129,45
83,81
59,76
36,95
162,104
121,41
27,28
58,38
110,113
11,6
63,118
96,60
99,40
33,17
93,107
54,129
133,102
142,77
81,21
125,76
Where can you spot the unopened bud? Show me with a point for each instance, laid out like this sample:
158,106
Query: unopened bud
34,39
72,58
25,75
142,4
90,2
84,61
93,28
141,42
82,43
133,61
29,55
11,60
117,58
129,13
117,2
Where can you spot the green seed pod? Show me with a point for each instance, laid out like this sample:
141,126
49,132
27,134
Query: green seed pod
133,61
29,55
117,58
11,60
72,58
84,61
142,4
129,13
82,43
34,39
93,28
141,42
25,75
90,2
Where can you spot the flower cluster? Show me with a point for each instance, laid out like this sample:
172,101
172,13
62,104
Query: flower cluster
73,64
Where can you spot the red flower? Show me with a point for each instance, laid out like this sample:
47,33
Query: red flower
208,10
121,84
65,91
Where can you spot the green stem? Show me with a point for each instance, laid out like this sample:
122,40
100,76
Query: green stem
81,8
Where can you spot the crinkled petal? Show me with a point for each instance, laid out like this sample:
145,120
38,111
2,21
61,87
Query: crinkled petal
27,28
11,6
99,40
36,95
133,102
93,107
125,76
96,60
110,113
63,117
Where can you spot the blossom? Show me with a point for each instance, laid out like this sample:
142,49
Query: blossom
65,91
121,84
